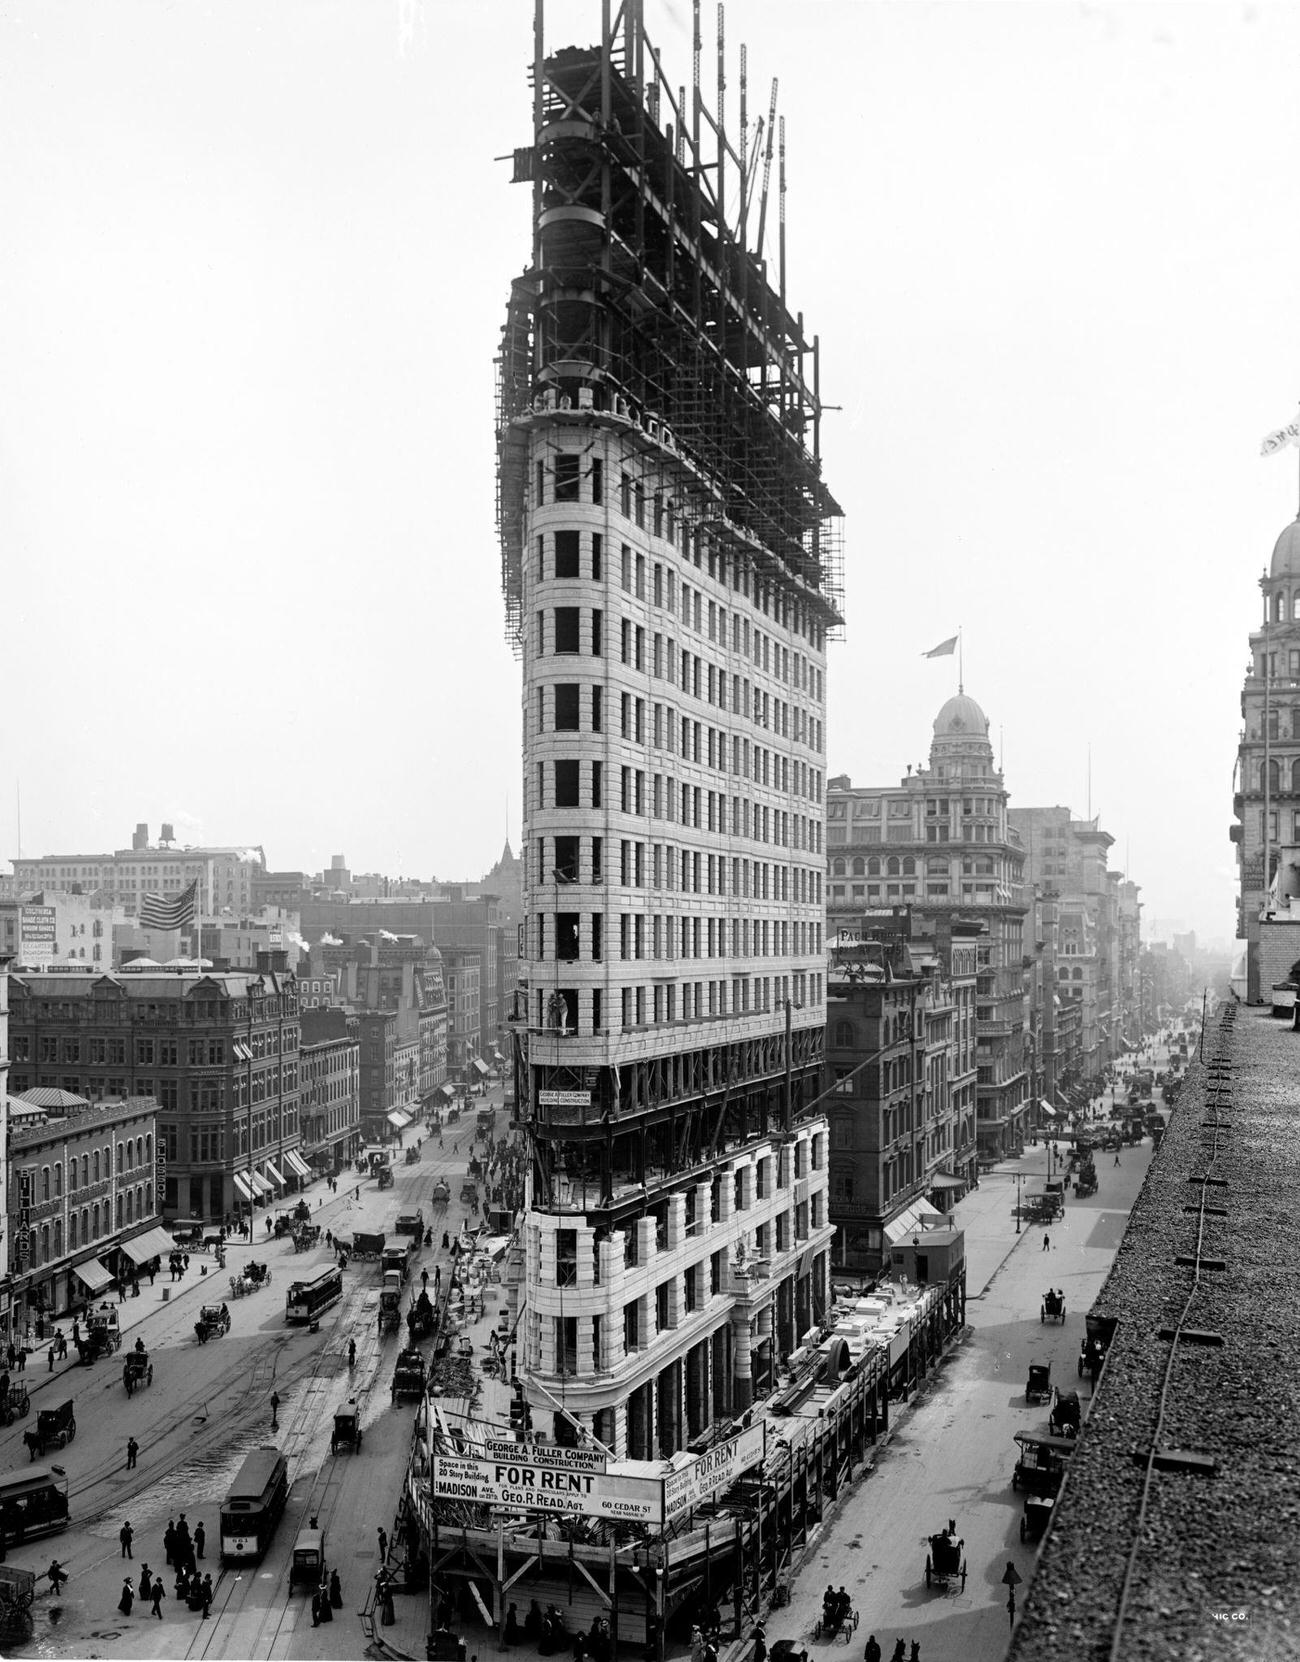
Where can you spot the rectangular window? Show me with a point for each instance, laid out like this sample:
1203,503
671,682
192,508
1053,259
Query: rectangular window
566,784
567,703
596,704
566,476
566,554
597,485
596,620
596,782
567,629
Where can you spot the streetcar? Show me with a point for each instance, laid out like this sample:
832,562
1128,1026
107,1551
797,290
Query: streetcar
307,1299
33,1502
253,1507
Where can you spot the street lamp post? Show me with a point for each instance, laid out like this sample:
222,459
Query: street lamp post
1020,1178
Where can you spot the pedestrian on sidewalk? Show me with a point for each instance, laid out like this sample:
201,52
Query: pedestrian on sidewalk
53,1346
58,1575
200,1539
156,1597
146,1585
760,1644
336,1590
1117,1158
125,1536
275,1410
1047,1242
127,1599
872,1652
169,1540
207,1595
383,1544
132,1450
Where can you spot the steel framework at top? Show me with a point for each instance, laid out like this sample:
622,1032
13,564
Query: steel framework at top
645,307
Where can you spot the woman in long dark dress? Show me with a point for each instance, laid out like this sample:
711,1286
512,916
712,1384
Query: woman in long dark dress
127,1599
336,1590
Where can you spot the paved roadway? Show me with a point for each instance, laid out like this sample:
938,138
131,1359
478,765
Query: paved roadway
208,1406
951,1454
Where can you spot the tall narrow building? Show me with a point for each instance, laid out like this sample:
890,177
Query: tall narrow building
671,570
1266,803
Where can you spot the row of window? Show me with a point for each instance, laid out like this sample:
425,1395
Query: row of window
582,860
573,1010
571,631
688,805
572,936
93,1167
906,866
692,740
90,1224
564,479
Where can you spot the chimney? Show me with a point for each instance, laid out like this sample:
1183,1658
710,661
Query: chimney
272,962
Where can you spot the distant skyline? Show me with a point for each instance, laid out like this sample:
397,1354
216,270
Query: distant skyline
253,281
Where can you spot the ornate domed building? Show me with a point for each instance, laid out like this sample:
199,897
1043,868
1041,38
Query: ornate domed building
935,858
1266,801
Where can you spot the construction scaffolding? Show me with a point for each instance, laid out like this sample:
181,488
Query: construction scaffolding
647,307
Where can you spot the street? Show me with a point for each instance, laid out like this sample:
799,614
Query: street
208,1407
951,1455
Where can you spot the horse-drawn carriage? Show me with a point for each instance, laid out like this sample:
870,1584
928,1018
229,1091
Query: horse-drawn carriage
441,1192
102,1336
1086,1182
838,1618
306,1236
945,1563
1053,1306
214,1320
347,1428
469,1193
249,1279
385,1177
1066,1416
1038,1387
55,1428
1041,1466
16,1404
1036,1516
420,1318
136,1370
413,1156
408,1376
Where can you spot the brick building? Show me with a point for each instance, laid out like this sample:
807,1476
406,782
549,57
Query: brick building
217,1051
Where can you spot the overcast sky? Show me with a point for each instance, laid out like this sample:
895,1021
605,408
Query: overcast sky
252,277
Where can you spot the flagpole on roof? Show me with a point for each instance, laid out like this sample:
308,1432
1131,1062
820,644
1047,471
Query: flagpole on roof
961,663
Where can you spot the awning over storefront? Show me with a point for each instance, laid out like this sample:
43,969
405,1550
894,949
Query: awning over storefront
154,1243
1046,1106
945,1180
260,1184
498,1057
242,1184
397,1119
479,1066
910,1222
296,1164
272,1172
94,1275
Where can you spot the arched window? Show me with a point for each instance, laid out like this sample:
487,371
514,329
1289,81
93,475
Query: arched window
1279,607
1295,777
120,1166
839,868
1274,777
130,1206
85,1227
97,1180
148,1150
58,1178
859,867
139,1151
873,866
58,1237
119,1211
72,1232
892,867
148,1200
909,867
45,1182
45,1243
94,1218
85,1170
842,1038
1078,975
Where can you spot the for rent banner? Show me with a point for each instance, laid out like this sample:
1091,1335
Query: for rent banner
718,1469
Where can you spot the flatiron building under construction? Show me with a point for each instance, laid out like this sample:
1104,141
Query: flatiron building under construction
671,563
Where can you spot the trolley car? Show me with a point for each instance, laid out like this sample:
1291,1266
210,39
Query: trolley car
307,1299
33,1501
253,1507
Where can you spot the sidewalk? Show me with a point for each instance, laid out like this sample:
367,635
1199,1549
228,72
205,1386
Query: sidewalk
988,1215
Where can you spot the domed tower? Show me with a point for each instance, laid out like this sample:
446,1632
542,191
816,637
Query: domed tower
1266,803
